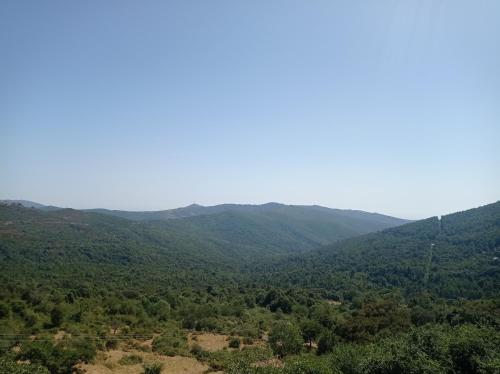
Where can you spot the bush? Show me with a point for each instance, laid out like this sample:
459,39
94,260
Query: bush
171,343
307,365
4,310
197,351
30,318
84,347
326,342
111,343
242,361
153,368
207,324
247,340
234,343
429,350
55,358
11,367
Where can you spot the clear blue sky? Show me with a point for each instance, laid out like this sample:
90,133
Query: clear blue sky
387,106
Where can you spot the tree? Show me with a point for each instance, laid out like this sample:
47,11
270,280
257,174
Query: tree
4,310
56,316
326,342
310,330
285,339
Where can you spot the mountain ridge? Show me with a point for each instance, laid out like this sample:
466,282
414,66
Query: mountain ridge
195,209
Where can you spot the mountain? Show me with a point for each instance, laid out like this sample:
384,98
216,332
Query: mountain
68,236
272,226
266,229
455,256
28,204
278,228
24,203
226,234
377,220
416,297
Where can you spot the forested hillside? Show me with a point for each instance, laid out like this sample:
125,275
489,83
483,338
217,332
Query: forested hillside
240,231
422,297
354,221
455,256
275,227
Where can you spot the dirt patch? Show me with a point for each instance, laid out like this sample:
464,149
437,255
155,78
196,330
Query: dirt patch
208,341
216,342
107,363
60,335
334,302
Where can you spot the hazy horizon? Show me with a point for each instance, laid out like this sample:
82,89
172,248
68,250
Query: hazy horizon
387,106
245,203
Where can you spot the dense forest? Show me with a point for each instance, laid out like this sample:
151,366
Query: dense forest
294,290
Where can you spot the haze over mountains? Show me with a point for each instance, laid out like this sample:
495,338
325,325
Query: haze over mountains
269,228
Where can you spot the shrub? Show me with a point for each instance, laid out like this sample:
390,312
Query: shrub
307,365
30,318
234,343
171,343
207,324
111,343
4,310
153,368
84,347
55,358
197,351
11,367
326,342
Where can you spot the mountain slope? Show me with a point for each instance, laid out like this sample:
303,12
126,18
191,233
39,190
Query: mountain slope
28,204
229,237
457,256
198,210
24,203
267,229
72,235
279,227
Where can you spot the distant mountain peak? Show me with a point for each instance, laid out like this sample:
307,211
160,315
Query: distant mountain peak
194,205
273,203
24,203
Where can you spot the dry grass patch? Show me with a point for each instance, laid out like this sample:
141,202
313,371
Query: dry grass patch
211,342
334,302
109,363
208,341
60,335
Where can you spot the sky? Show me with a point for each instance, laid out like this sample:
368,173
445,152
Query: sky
387,106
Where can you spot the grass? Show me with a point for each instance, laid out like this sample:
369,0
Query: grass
130,360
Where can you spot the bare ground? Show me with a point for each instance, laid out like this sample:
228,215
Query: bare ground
107,363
